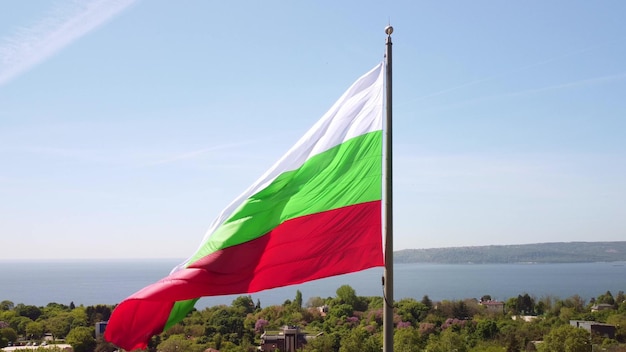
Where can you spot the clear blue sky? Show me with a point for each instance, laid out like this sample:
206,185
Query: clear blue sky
127,126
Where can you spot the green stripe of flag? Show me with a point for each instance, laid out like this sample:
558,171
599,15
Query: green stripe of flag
347,174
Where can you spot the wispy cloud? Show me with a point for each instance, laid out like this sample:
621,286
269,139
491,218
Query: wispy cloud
527,92
108,156
30,46
196,153
520,69
575,84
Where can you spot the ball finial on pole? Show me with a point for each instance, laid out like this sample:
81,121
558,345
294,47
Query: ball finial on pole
388,30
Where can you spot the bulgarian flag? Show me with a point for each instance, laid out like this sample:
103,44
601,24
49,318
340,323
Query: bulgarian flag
316,213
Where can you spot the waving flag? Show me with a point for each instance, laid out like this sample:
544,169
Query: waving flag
316,213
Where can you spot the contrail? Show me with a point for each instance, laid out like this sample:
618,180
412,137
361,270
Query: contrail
30,46
567,85
514,70
580,83
196,153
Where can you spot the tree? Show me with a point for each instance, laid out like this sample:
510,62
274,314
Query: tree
606,298
447,341
488,346
19,324
511,306
7,315
95,313
576,302
340,311
540,308
427,302
260,325
525,304
411,310
619,321
81,339
407,340
546,303
80,318
567,338
486,329
31,312
228,322
175,343
244,304
104,346
54,308
578,340
6,305
359,340
8,334
323,343
297,302
34,329
314,302
620,298
460,310
347,295
59,325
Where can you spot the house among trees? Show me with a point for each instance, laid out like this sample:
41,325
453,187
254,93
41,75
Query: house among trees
323,310
600,329
601,306
100,327
493,306
289,339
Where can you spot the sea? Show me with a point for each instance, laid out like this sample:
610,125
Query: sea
91,282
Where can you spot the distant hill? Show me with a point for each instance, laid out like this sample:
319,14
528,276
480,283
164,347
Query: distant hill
558,252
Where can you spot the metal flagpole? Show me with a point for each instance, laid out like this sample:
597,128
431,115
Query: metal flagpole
388,272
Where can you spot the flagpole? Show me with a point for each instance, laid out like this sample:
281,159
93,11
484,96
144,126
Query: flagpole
388,272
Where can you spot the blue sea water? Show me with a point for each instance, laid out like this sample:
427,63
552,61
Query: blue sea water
91,282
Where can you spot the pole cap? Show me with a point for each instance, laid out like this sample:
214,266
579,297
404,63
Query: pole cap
388,30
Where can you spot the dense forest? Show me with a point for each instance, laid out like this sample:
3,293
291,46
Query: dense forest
348,323
558,252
